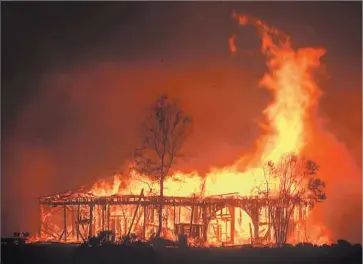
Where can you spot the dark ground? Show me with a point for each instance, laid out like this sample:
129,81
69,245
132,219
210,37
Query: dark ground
63,253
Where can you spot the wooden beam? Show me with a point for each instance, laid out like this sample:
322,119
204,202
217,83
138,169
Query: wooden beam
78,218
232,213
65,223
145,221
137,208
191,218
90,229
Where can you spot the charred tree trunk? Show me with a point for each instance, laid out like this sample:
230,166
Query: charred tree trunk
160,207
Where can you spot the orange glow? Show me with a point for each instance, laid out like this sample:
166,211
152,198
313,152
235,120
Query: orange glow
232,45
286,124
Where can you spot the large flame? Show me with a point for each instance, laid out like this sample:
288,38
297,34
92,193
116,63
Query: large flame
290,78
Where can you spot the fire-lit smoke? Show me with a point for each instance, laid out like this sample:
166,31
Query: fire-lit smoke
287,121
290,124
79,128
295,126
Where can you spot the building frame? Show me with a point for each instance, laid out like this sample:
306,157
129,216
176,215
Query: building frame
78,210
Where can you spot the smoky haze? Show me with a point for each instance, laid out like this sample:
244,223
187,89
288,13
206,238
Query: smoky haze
75,89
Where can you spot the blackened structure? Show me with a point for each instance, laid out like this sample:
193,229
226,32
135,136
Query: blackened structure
76,216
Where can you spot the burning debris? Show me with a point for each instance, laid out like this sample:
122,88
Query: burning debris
228,206
206,220
84,216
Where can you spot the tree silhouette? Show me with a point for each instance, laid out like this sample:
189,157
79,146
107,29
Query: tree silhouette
164,131
290,182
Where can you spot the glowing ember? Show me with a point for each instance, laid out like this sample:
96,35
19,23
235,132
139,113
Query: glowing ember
289,78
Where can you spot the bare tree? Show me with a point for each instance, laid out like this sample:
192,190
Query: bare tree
291,182
163,133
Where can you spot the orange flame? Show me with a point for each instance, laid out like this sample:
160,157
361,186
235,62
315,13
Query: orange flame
295,94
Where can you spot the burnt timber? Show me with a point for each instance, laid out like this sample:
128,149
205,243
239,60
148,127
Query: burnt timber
203,210
239,201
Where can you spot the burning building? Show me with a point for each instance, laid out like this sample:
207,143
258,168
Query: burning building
219,219
224,206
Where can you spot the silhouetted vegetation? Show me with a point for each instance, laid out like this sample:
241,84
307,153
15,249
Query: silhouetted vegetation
294,181
341,252
163,133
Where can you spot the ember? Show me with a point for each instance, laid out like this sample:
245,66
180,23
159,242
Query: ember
226,206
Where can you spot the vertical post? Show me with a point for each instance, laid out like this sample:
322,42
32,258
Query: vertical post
179,214
120,224
232,213
174,220
166,216
137,208
65,222
111,225
152,213
41,219
256,222
145,219
108,217
90,221
98,219
205,224
73,222
257,228
191,217
125,226
251,237
103,218
78,218
115,226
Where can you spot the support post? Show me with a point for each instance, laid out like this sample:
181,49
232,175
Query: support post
256,222
41,220
179,214
73,222
232,213
166,216
174,220
90,231
103,217
257,229
108,217
145,219
152,213
65,222
251,237
137,208
191,218
125,226
205,224
78,218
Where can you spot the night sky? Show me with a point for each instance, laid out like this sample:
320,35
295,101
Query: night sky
77,76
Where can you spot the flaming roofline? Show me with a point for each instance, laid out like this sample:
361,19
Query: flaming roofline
85,193
70,198
205,209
